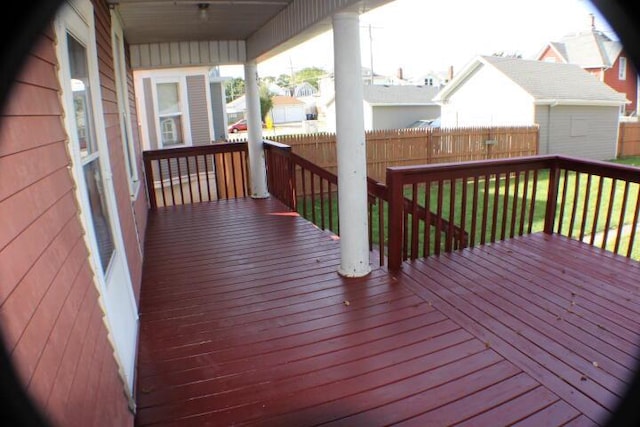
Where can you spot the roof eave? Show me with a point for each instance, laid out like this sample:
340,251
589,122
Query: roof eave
583,102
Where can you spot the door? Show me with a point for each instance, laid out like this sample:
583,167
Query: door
92,172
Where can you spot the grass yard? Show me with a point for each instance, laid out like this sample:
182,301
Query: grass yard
584,199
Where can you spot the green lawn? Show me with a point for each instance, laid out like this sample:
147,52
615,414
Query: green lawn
508,214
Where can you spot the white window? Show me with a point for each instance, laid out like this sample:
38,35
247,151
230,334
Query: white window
622,68
170,114
122,93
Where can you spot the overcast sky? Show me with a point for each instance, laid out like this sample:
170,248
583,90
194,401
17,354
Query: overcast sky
430,35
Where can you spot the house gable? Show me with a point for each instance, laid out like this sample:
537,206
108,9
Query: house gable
483,96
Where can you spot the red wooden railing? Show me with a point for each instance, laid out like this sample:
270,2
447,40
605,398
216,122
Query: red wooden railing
424,210
496,200
312,191
177,176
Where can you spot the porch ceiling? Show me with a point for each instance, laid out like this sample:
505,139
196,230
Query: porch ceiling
264,27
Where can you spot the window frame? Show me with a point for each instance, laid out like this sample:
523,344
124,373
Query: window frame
622,68
181,82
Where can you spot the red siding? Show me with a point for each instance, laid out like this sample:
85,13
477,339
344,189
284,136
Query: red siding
52,322
131,217
549,52
628,86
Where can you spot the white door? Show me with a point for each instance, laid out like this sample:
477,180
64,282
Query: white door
92,173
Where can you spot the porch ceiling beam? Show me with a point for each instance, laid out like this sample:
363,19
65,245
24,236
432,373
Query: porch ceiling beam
298,22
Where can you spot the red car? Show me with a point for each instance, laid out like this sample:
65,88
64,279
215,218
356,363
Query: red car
238,126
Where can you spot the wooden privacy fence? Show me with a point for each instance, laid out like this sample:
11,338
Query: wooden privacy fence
410,147
629,139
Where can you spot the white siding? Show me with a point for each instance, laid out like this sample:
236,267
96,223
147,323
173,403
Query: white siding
583,131
298,22
542,119
401,116
198,110
488,98
193,53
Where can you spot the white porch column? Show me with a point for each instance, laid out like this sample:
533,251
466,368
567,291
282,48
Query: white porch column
351,147
254,133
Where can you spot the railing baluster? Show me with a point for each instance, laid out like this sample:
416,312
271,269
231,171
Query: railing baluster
381,229
427,219
634,225
514,205
496,205
452,209
485,209
596,214
180,181
173,196
532,205
164,202
505,206
574,208
234,180
623,211
523,207
330,193
462,243
206,174
322,206
186,159
585,210
563,202
313,198
415,221
474,211
439,219
607,222
304,193
198,180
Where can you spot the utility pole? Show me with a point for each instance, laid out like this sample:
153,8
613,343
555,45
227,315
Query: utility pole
292,83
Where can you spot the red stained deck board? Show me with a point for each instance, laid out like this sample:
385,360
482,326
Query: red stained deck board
245,320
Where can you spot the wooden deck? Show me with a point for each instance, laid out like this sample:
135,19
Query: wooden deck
244,320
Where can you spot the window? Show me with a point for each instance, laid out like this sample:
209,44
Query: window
122,92
169,113
622,68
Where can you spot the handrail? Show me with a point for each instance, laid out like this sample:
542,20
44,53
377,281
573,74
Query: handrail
498,199
184,175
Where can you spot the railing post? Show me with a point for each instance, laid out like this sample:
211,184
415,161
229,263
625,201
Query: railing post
396,208
148,173
291,187
552,196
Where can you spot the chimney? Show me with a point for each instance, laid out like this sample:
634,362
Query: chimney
591,20
400,74
450,73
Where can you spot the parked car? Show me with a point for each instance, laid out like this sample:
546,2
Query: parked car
238,126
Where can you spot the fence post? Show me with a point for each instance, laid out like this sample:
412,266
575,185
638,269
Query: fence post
396,208
552,197
148,172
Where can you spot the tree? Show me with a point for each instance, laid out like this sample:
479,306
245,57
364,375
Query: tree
310,75
284,81
234,88
266,102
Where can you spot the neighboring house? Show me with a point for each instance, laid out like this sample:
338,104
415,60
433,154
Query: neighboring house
287,109
175,107
236,109
304,89
392,107
577,114
600,56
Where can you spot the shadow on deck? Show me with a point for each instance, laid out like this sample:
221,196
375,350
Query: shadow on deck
244,320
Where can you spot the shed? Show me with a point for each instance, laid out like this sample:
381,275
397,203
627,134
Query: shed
393,107
287,109
577,114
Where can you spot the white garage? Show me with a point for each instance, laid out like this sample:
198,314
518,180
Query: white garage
287,109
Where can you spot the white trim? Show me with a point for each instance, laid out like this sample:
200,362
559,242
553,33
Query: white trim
79,22
124,116
598,103
184,108
207,95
